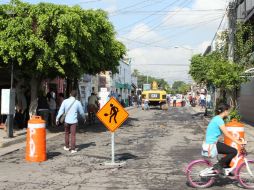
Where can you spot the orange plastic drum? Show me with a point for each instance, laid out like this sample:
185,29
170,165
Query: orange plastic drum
36,140
237,130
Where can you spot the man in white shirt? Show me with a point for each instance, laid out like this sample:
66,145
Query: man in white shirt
71,106
202,100
174,101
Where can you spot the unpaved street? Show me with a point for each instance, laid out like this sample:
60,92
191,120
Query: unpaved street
155,144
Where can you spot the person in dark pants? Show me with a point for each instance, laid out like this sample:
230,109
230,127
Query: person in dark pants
174,101
43,108
71,107
215,128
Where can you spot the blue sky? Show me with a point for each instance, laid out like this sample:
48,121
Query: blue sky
152,29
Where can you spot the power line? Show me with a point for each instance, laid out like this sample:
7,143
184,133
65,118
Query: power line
90,1
130,6
154,27
149,44
148,16
180,65
115,13
178,33
188,25
219,26
170,11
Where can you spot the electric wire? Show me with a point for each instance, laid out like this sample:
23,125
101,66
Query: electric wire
138,21
171,11
118,12
178,33
90,1
130,6
156,26
219,26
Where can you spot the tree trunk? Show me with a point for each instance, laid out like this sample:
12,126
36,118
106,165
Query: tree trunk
34,85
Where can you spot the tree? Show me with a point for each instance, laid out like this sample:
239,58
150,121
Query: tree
48,40
218,71
144,79
244,44
136,73
199,69
180,87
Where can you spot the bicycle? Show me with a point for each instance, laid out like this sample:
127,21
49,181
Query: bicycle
200,173
92,110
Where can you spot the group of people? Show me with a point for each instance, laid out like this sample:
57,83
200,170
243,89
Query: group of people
174,98
48,105
204,100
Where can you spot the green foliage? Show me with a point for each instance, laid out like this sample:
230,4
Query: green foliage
180,87
49,40
244,44
144,79
199,69
215,69
234,114
223,74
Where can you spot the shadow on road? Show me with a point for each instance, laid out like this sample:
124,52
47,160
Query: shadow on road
83,146
125,156
51,155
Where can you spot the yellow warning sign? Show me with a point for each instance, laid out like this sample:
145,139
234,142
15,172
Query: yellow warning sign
112,114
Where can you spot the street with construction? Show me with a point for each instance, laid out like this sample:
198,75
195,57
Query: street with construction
155,145
126,95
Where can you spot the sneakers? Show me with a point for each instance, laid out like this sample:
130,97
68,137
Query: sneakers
65,148
68,149
73,151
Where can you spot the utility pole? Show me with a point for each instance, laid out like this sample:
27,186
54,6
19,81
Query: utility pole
232,16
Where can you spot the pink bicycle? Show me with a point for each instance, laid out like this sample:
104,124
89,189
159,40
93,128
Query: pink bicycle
200,173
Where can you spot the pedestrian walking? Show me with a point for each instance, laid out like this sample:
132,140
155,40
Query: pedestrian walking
51,96
168,100
202,101
146,103
71,107
174,101
43,107
139,100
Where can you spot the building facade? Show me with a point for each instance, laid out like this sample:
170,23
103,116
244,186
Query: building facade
107,84
245,13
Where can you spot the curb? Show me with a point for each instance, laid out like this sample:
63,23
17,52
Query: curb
19,145
12,141
20,139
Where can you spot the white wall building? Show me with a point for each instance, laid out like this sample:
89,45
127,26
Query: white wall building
121,81
105,84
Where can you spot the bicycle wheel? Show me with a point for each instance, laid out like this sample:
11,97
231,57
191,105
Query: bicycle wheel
246,174
193,174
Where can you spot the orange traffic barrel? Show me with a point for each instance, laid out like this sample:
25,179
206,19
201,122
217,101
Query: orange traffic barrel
36,140
236,129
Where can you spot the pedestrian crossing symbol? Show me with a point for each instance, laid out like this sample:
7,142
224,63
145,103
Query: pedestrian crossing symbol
112,114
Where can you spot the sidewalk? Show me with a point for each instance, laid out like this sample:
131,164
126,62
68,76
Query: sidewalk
20,135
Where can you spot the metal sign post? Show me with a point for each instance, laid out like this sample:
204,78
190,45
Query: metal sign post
113,147
112,115
113,163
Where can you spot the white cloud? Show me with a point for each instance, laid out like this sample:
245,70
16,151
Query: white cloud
170,63
210,4
111,9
